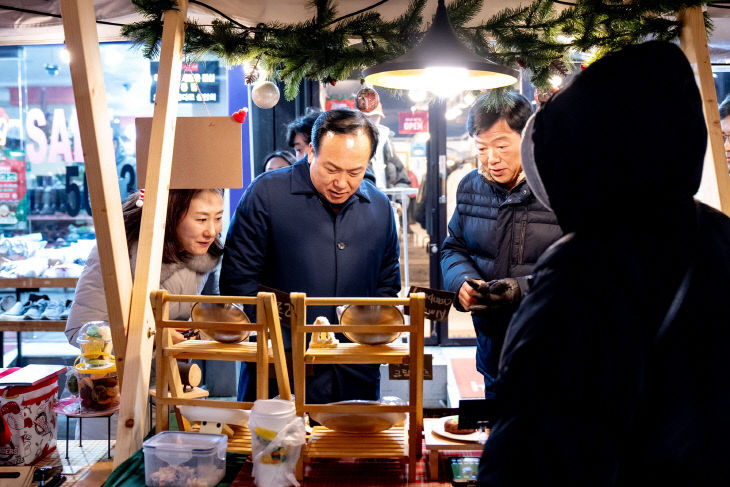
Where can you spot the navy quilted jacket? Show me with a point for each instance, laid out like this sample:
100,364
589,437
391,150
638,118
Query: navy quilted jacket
494,233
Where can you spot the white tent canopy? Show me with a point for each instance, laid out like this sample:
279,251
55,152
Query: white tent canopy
30,28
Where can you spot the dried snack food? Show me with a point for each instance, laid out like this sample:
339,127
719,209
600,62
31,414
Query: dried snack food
452,426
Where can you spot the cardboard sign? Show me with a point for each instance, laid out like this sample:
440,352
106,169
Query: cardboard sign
402,371
438,302
283,302
207,153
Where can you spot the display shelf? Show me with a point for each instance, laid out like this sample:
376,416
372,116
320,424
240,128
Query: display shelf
327,443
239,443
33,325
355,353
262,352
38,282
59,218
398,442
23,284
212,350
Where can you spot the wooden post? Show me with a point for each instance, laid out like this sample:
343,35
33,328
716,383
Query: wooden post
82,42
715,186
415,381
298,341
277,345
132,418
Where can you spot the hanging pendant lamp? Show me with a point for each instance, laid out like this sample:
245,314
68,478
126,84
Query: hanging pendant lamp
441,64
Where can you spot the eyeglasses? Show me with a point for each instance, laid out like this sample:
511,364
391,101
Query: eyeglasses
725,137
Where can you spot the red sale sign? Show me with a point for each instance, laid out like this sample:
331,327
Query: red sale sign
412,122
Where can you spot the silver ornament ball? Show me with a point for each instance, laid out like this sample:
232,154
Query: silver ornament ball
265,94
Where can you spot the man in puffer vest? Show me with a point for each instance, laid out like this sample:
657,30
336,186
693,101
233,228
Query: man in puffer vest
498,230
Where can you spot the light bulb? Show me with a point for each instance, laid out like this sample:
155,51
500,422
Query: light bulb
444,82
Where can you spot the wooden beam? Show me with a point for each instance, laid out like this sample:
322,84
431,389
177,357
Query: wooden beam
82,41
132,413
715,187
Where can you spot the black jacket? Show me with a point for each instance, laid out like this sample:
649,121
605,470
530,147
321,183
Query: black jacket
587,394
494,233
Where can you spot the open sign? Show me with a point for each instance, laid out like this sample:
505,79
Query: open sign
412,122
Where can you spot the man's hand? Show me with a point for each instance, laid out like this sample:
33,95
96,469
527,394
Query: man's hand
468,293
494,294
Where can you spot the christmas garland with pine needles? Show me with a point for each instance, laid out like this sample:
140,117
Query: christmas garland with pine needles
537,37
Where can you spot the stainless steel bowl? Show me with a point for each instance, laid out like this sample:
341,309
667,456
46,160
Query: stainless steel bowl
375,316
359,422
221,312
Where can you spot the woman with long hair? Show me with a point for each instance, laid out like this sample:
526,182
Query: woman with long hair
190,255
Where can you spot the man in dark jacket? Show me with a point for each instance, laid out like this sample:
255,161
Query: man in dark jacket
318,228
614,371
497,231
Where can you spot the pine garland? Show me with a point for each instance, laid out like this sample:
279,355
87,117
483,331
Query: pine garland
536,37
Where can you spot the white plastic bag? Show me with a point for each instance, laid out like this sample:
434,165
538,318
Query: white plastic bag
277,436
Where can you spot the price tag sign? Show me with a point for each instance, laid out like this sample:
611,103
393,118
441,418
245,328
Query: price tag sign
402,371
283,302
438,302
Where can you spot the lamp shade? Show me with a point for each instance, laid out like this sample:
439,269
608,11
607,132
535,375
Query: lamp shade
440,60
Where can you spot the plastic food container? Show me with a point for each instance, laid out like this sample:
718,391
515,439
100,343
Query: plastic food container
95,338
184,459
95,381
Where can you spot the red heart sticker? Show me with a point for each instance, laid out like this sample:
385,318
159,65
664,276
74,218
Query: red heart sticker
240,115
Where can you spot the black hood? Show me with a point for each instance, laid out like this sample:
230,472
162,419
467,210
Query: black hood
628,132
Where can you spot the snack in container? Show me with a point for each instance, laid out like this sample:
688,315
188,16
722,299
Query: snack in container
95,382
184,459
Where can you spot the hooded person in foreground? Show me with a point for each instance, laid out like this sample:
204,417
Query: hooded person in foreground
614,370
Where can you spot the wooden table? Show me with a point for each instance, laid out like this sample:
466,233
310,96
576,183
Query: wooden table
435,444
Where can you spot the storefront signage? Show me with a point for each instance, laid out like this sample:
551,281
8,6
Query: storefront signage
412,122
198,82
12,189
63,143
438,302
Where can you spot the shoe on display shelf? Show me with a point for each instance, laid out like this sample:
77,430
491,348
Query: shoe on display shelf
19,310
7,302
15,312
53,311
36,309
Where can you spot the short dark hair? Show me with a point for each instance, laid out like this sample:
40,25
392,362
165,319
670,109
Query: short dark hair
482,115
178,203
286,155
344,121
302,125
725,107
